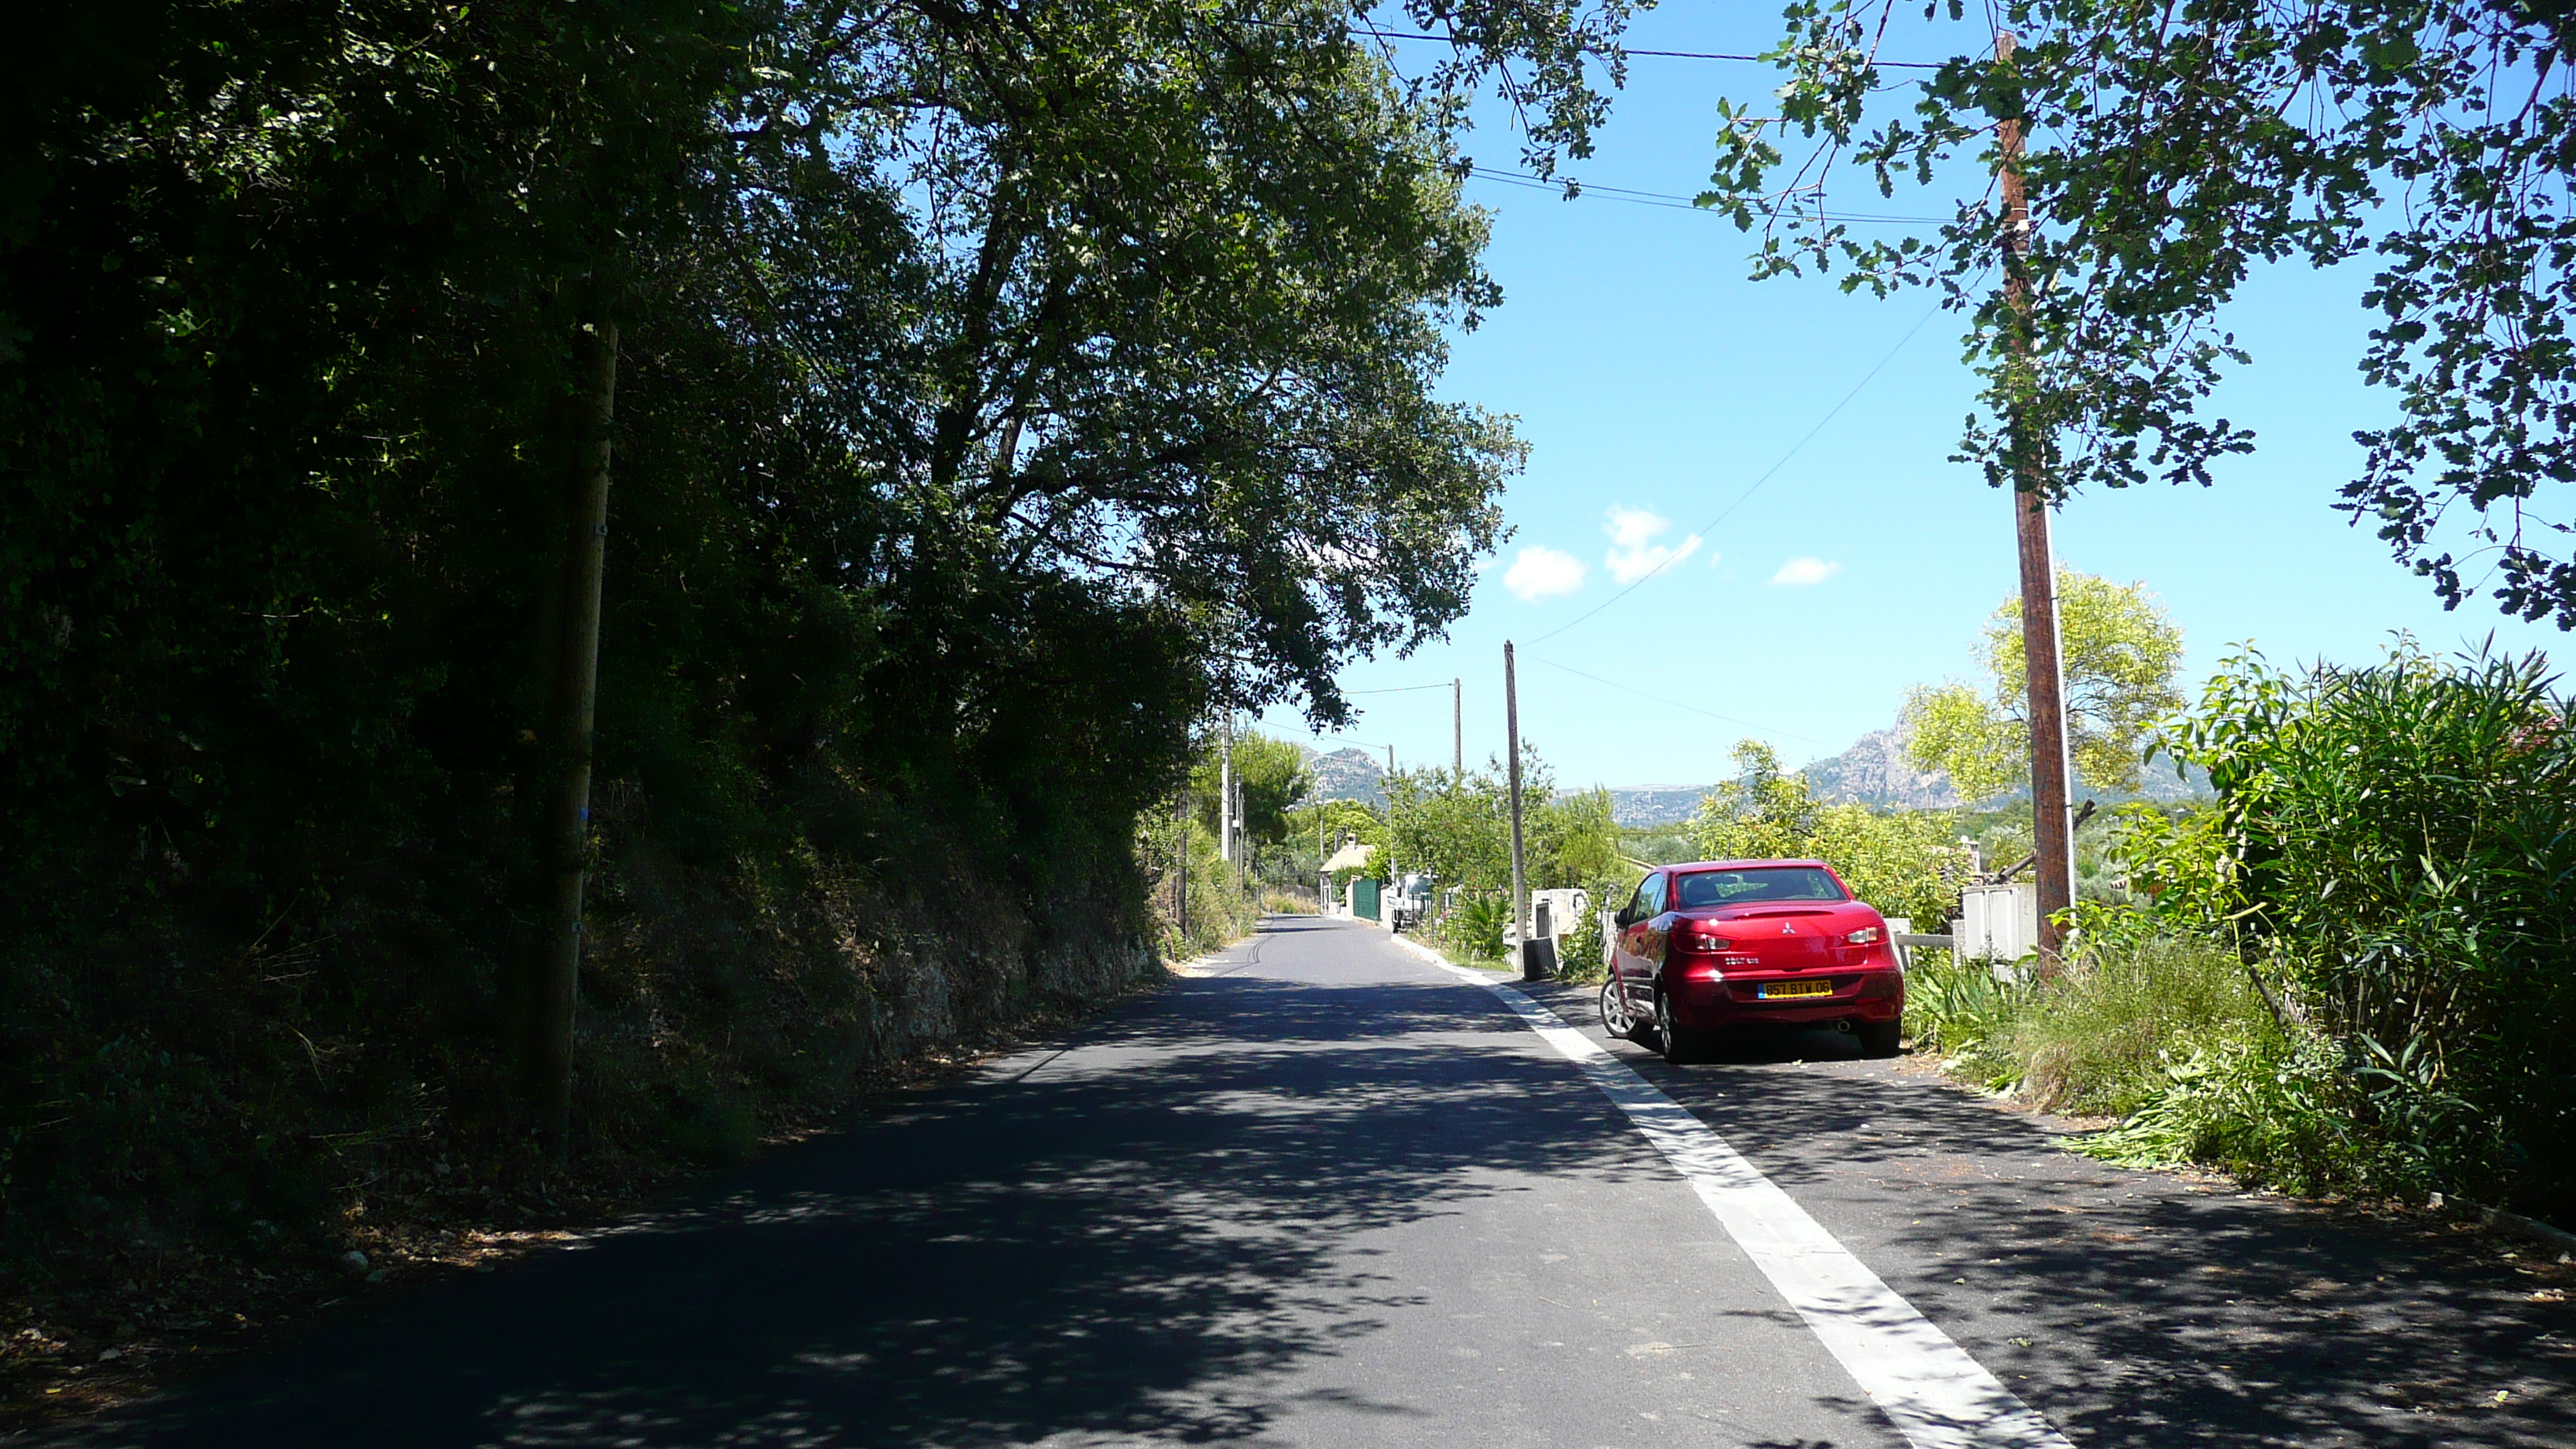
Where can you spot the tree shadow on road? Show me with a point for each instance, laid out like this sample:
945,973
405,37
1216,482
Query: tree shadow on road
2141,1309
1120,1242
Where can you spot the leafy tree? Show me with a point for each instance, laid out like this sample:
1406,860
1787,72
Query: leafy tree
2170,152
1571,840
1327,821
1900,861
1461,830
1457,830
996,387
2119,654
1271,775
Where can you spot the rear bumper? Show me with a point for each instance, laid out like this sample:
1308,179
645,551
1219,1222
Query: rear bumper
1857,996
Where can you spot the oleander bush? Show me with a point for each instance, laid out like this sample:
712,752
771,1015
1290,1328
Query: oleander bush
2349,974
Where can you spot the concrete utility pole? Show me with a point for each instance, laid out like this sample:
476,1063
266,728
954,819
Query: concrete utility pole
1520,881
2051,823
555,976
1225,791
1390,759
1458,730
1181,874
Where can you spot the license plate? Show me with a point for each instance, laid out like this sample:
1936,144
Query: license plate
1777,990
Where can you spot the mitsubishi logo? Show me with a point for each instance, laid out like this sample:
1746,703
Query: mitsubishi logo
1787,930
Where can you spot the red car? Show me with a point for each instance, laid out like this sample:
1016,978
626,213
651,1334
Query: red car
1719,944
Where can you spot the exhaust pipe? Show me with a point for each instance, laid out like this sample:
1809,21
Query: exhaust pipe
1843,1024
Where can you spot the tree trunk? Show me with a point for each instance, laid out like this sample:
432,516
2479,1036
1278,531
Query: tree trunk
555,965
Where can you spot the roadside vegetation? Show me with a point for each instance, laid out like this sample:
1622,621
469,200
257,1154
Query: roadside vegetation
2388,853
986,395
2347,972
2341,970
1457,829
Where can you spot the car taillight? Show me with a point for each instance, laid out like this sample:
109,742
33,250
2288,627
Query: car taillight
1865,936
1702,936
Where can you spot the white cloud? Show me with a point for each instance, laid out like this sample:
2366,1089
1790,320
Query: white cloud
1801,572
1633,550
1543,573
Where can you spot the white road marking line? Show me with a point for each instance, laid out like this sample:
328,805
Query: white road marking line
1938,1396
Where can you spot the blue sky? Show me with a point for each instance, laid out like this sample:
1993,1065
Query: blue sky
1654,381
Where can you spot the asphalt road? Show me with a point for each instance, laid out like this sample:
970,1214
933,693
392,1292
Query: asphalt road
1327,1194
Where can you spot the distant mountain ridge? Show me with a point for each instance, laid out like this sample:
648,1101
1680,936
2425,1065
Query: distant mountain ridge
1655,804
1874,771
1350,773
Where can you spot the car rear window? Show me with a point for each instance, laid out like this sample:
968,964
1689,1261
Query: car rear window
1767,883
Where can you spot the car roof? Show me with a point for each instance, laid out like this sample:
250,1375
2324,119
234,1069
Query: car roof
1693,865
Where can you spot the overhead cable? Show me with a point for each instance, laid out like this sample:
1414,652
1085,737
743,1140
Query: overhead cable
1401,688
1674,202
1664,54
1626,689
1767,474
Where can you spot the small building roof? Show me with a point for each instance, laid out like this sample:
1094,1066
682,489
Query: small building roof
1353,856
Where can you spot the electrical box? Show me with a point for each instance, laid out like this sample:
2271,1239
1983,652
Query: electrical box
1998,923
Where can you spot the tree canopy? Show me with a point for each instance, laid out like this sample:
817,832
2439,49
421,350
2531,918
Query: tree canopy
996,388
1459,830
1900,861
2119,655
1271,776
2171,151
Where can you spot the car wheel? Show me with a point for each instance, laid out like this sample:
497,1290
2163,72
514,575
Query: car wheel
1616,1018
1878,1038
1681,1045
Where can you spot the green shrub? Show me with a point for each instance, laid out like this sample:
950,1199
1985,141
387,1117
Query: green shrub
2096,1039
2265,1105
1578,946
1476,927
1221,902
1966,1013
2397,840
2295,1109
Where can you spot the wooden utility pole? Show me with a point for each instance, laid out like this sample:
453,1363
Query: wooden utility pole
1520,882
1458,730
2051,823
572,708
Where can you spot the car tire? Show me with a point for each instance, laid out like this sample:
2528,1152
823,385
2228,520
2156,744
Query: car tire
1681,1045
1616,1018
1878,1038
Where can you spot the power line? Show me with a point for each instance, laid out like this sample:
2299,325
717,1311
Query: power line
1399,689
1671,201
1667,54
1625,689
1767,474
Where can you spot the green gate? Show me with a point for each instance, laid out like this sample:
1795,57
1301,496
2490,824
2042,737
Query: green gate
1364,898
